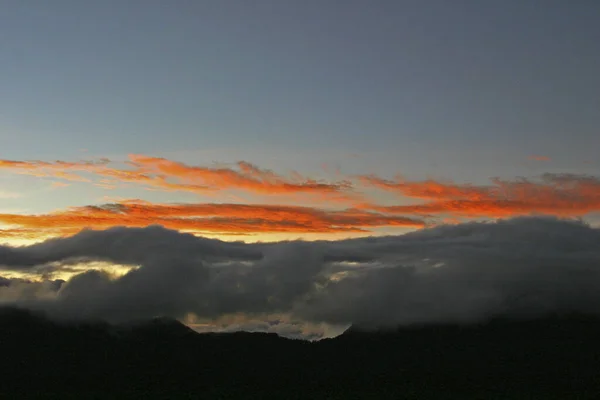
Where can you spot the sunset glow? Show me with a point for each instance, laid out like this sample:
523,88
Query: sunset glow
342,208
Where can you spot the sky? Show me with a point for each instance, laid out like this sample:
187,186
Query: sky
277,120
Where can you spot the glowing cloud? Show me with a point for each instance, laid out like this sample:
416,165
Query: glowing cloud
351,207
248,177
216,218
163,174
539,158
556,194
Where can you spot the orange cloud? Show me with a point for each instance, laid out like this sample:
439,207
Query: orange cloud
163,174
248,177
435,201
539,158
428,189
566,195
58,169
13,235
214,218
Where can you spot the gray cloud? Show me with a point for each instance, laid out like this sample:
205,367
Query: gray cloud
15,290
461,272
124,245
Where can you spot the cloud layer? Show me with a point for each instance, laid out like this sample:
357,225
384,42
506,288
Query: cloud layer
163,174
348,205
566,195
209,218
464,272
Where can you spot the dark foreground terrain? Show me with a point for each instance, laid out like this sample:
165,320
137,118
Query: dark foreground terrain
550,358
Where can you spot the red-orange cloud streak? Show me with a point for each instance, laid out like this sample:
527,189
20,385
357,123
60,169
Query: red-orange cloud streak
566,195
249,177
214,218
539,158
168,175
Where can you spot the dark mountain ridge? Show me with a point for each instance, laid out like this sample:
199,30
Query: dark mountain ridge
553,357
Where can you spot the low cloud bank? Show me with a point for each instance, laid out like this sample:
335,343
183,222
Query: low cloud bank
466,272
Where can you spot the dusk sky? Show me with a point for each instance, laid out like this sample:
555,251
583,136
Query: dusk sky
267,120
456,92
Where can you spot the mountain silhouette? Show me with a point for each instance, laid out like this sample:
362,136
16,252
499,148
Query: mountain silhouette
553,357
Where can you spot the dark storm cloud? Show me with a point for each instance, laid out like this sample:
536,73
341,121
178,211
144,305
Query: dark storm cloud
461,272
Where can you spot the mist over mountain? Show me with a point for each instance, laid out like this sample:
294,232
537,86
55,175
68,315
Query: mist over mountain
467,272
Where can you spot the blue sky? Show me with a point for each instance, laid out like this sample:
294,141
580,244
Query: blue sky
148,76
464,90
